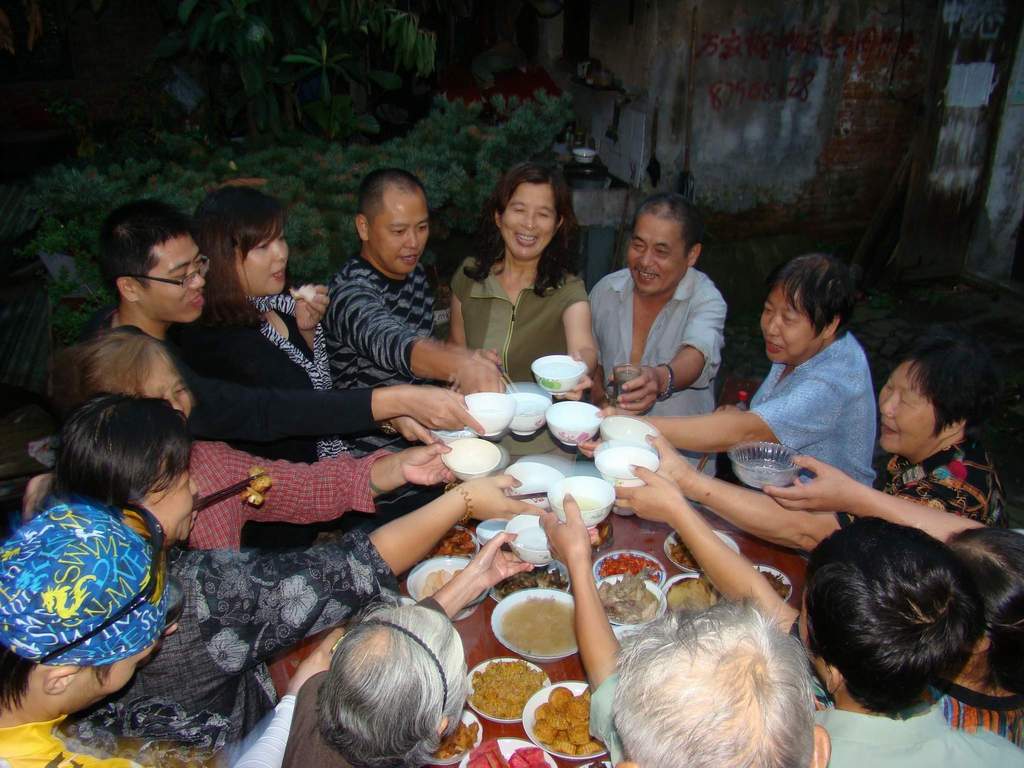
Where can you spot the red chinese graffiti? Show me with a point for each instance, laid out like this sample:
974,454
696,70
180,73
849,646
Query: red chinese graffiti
765,44
733,93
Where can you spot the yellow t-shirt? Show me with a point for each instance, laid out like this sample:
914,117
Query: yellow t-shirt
35,746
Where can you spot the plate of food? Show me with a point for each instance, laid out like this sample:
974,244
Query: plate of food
779,581
690,592
507,753
557,719
628,561
680,554
435,572
536,624
551,576
468,734
458,542
630,600
499,688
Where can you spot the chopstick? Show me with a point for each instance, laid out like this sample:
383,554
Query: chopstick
509,386
225,493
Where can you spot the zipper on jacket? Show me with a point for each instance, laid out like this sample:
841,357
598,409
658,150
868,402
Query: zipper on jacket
508,337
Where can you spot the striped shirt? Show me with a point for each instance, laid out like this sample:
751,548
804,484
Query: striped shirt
370,328
971,711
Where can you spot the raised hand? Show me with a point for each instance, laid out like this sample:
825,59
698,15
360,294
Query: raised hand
422,465
311,303
569,542
831,490
659,499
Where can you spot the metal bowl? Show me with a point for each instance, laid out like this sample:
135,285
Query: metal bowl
761,464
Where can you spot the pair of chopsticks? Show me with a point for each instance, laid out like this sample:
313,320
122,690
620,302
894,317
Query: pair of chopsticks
225,493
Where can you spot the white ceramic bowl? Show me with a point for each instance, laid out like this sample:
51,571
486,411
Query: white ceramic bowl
535,480
449,436
761,464
728,540
471,457
468,718
656,568
494,411
509,747
484,665
576,687
614,458
584,154
768,570
626,428
594,495
531,543
529,416
653,588
518,598
572,422
558,374
488,529
416,581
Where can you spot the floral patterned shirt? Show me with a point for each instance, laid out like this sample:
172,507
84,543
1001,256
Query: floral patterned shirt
960,480
209,683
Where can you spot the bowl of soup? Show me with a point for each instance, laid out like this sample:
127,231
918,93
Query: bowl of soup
529,415
573,422
626,428
536,624
471,457
616,458
558,374
594,496
530,543
494,411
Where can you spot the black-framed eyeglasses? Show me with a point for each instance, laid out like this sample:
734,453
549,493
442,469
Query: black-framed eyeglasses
189,279
142,521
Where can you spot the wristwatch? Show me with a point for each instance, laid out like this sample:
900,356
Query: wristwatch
670,386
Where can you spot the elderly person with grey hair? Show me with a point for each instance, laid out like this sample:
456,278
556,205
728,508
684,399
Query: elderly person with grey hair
396,681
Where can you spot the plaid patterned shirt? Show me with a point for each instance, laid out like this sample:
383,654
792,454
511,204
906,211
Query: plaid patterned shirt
302,493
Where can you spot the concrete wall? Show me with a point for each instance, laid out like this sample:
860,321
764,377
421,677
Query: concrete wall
800,112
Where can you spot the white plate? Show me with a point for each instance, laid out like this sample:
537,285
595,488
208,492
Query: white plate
653,588
522,596
729,542
418,576
484,665
660,572
776,572
576,687
508,747
468,718
488,529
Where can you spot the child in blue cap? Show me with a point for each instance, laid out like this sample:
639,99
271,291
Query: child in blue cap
82,604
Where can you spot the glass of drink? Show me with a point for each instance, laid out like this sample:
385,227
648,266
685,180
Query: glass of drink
620,375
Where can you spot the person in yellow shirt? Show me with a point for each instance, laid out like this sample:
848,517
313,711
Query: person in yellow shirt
84,600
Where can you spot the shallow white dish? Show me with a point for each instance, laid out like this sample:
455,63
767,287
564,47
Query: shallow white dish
767,569
471,457
531,543
448,436
468,718
535,480
594,495
626,428
494,411
573,422
523,596
417,579
529,414
652,587
656,568
488,529
484,665
509,747
615,458
558,374
576,687
725,537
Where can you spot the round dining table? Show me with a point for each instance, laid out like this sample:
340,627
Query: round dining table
629,532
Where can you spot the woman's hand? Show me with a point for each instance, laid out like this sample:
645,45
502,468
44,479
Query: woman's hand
488,498
437,408
412,430
310,306
492,564
569,542
831,490
423,466
672,463
658,500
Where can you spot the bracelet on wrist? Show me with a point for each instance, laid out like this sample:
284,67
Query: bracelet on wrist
387,428
666,393
468,499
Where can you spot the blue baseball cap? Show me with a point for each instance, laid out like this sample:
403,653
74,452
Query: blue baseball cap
68,571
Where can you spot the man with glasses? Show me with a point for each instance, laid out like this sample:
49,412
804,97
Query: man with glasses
80,608
153,266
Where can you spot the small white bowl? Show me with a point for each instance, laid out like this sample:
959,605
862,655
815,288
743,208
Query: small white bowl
728,540
449,436
484,665
653,588
584,155
614,458
468,718
471,457
768,570
417,579
594,495
558,374
572,422
529,416
488,529
517,598
576,688
494,411
627,428
535,480
531,543
761,464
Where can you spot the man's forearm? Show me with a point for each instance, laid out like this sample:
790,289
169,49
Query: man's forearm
713,432
687,366
436,360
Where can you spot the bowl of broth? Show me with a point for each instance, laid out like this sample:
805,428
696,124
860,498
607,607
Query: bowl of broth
536,624
593,495
494,411
558,374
